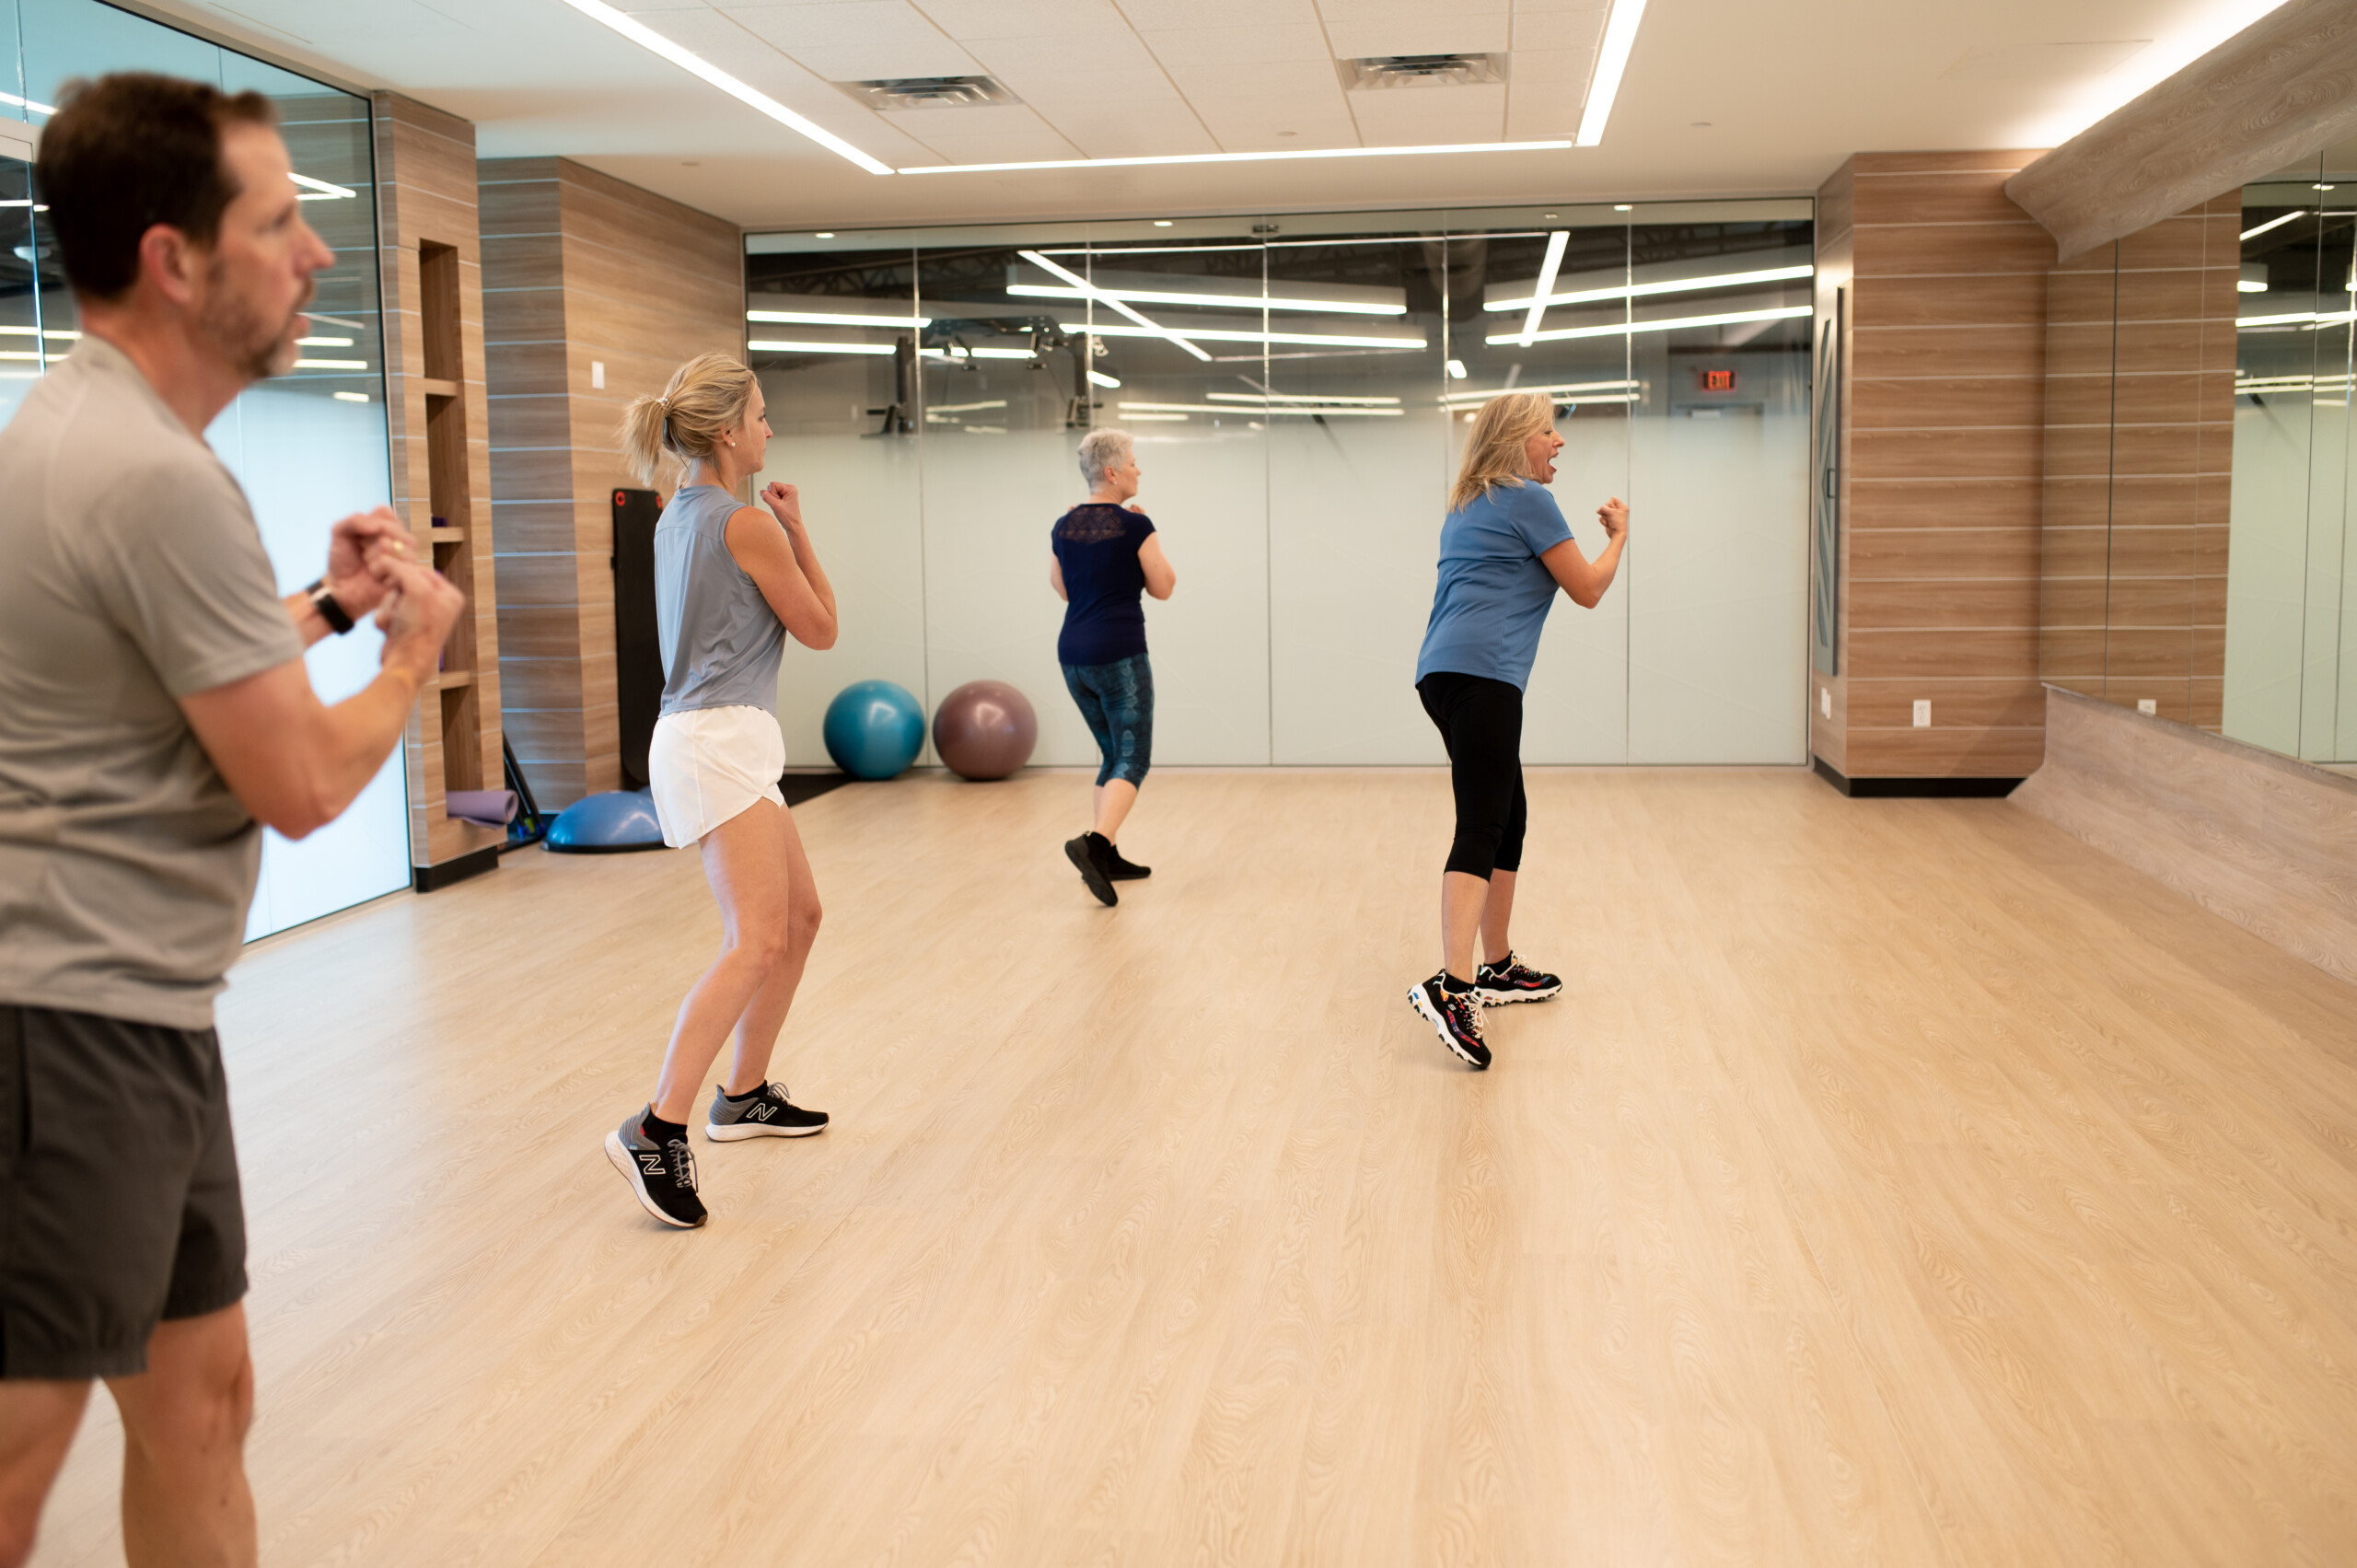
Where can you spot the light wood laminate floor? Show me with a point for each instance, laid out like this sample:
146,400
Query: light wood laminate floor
1899,1182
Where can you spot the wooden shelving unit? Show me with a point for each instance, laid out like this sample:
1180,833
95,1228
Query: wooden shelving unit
432,287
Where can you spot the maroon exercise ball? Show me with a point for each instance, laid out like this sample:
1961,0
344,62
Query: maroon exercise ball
985,730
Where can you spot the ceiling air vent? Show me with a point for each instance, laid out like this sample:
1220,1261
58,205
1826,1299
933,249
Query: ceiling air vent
1421,71
929,92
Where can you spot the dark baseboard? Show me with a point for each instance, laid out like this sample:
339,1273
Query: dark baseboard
799,787
1915,789
427,878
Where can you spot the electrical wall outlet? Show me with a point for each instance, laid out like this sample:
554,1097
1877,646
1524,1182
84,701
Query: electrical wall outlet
1922,713
598,373
2147,705
1825,700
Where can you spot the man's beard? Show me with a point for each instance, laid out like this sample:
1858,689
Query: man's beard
255,348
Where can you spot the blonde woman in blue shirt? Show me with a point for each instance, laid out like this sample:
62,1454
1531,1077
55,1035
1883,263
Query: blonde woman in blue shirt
1504,550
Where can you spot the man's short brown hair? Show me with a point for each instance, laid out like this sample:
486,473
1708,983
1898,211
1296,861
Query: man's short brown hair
127,152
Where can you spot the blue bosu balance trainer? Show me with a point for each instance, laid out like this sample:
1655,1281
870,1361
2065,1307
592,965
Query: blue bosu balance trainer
609,823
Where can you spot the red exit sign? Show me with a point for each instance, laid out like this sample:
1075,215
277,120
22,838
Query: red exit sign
1718,380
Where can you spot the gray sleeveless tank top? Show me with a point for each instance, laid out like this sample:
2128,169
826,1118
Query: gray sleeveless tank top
721,640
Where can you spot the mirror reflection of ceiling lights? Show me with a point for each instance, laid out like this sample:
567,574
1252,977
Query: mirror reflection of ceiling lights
1412,71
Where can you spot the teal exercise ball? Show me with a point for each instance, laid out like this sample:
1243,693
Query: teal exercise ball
874,729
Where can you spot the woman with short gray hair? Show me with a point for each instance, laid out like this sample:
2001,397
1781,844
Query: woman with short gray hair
1105,554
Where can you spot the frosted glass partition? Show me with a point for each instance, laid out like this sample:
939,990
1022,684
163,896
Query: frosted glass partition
308,447
1298,389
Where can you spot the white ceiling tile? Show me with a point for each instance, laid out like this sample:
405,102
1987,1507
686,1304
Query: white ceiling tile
1051,70
1144,130
1337,11
1559,30
992,120
759,65
1535,117
855,40
1217,46
1550,68
1169,16
1283,82
1070,20
1424,33
1011,146
1252,123
1417,116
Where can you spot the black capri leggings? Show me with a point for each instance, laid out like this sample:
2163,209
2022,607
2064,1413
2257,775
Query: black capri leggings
1481,722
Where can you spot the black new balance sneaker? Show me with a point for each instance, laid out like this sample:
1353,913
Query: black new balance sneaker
661,1177
1513,980
1118,869
1087,854
767,1114
1456,1015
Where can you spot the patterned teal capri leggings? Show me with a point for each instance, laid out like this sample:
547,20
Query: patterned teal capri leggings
1116,700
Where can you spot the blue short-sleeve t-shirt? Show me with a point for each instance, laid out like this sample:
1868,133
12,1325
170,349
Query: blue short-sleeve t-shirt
1096,548
1494,592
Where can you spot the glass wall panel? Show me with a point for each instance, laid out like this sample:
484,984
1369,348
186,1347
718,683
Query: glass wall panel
1717,581
1299,390
1576,709
833,339
308,447
1194,412
1358,448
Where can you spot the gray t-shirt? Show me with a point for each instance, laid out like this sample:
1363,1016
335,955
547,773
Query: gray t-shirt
133,575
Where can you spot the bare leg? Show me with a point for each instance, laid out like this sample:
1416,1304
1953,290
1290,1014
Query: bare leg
37,1421
1114,799
1463,896
745,860
185,1502
757,1030
1495,916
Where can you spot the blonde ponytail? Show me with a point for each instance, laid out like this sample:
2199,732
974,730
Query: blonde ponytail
707,397
1495,451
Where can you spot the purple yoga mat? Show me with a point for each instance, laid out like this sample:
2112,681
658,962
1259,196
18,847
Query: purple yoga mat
491,808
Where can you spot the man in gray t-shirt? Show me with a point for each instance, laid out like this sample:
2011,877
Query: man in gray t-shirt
154,713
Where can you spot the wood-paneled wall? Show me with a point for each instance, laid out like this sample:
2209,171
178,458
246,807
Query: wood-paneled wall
1942,439
425,191
580,270
2140,454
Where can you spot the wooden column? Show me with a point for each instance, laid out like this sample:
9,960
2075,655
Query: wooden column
1942,443
587,279
431,263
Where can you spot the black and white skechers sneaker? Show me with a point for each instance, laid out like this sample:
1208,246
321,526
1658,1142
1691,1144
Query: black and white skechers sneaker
1513,980
1087,855
766,1115
1119,869
661,1177
1455,1015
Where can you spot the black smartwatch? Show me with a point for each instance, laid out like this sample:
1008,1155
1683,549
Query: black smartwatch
323,600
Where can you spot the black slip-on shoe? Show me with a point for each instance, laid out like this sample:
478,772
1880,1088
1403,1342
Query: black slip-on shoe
1083,855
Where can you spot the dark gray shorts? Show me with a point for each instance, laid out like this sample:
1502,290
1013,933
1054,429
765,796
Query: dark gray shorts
119,1203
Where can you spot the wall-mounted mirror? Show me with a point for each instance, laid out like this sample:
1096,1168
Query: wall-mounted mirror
2198,560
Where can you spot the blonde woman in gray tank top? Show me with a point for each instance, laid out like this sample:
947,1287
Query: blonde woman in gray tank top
732,582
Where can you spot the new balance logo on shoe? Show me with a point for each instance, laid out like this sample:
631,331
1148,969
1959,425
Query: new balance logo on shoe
762,1111
652,1162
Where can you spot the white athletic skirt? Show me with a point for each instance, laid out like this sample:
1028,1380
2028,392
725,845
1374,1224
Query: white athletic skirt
707,766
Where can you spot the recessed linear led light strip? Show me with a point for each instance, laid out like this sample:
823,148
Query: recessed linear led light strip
1319,339
1343,410
2274,223
1611,61
1231,301
1645,290
654,43
832,318
1320,397
38,332
782,345
1145,324
1231,157
2315,320
320,190
1628,329
2294,384
33,104
1555,243
1562,391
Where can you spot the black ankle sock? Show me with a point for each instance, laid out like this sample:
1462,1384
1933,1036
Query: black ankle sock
1453,985
754,1093
662,1131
